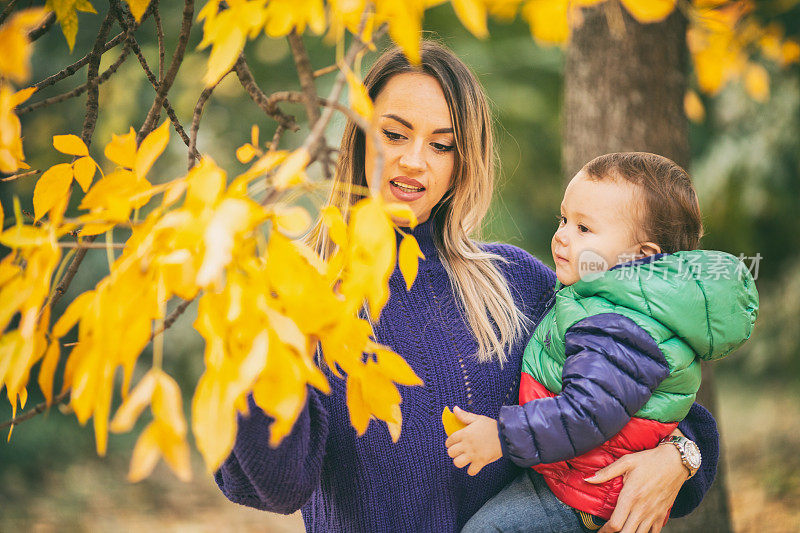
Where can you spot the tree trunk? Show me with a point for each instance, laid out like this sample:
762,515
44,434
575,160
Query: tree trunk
625,83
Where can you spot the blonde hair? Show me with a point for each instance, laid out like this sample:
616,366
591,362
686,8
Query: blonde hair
480,287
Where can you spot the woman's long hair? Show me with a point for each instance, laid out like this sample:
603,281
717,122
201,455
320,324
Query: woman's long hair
477,282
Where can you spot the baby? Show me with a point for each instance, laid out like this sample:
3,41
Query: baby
614,363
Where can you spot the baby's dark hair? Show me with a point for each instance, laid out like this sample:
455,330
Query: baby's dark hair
670,212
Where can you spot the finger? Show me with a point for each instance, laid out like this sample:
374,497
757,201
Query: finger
455,450
453,439
461,461
619,516
464,416
617,468
474,468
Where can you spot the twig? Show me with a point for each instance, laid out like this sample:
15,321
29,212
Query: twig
306,75
326,70
7,11
198,113
92,245
258,96
77,91
43,28
276,138
73,68
160,33
169,78
22,175
93,96
42,407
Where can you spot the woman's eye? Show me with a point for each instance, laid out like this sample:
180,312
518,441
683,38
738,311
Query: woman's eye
582,228
439,147
392,136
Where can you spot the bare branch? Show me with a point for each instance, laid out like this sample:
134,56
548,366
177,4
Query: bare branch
276,138
42,407
22,175
161,50
92,245
326,70
73,68
306,75
43,28
198,112
258,96
77,91
7,11
165,84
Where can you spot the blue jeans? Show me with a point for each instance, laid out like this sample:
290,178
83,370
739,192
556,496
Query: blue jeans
525,505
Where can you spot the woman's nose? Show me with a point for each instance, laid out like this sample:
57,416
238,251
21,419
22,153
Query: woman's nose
413,158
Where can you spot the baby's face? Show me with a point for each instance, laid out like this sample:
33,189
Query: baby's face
597,227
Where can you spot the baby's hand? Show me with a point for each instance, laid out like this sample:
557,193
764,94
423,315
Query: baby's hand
476,445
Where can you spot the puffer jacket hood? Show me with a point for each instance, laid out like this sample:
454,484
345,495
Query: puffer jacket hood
706,298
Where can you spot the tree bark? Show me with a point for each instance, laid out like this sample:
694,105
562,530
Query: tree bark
624,84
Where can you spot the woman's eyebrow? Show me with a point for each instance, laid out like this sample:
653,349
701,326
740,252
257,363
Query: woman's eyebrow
408,125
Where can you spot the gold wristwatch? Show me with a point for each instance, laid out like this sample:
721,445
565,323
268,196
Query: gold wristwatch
690,453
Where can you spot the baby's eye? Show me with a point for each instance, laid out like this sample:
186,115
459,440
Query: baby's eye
392,136
561,220
439,147
582,228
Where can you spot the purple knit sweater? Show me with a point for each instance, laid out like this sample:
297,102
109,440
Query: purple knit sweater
347,483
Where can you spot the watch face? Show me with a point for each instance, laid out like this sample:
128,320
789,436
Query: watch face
692,454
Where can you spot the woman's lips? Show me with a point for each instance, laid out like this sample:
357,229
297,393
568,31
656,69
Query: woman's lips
406,189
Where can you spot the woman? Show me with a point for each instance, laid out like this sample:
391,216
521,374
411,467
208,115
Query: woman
462,328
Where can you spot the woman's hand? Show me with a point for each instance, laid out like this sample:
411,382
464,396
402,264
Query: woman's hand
476,445
651,482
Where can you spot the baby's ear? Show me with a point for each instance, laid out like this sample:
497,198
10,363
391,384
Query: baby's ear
649,248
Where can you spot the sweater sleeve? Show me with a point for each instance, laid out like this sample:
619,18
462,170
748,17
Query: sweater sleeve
700,427
612,368
280,479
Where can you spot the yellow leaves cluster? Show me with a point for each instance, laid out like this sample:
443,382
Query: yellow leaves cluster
721,40
11,156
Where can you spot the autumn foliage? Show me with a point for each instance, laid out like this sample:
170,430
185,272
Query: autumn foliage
276,317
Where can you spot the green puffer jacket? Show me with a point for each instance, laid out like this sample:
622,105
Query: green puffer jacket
695,304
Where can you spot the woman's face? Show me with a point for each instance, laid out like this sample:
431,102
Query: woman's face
414,129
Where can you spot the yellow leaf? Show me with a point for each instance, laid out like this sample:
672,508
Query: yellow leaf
102,407
152,146
205,183
51,189
225,52
24,237
359,413
254,135
167,404
292,220
287,331
693,107
139,398
450,422
291,172
70,144
138,7
122,149
756,82
15,59
394,367
548,20
213,421
790,53
337,229
402,215
175,451
359,97
245,153
67,16
2,217
408,258
145,454
649,10
472,14
73,313
84,169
